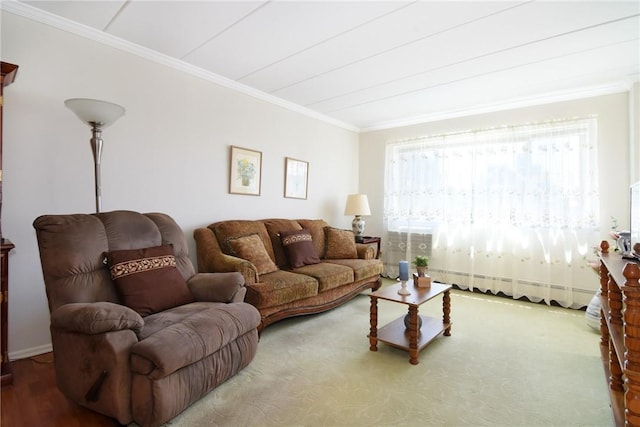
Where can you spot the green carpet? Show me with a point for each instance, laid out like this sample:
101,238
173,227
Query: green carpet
506,363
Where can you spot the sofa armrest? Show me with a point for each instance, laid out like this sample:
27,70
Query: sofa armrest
365,251
95,318
211,259
217,287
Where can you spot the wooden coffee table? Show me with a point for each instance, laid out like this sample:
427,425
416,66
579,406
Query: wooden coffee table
412,339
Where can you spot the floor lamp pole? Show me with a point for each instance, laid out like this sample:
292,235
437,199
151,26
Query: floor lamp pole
96,147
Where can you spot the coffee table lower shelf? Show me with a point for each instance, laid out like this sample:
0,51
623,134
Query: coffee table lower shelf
396,334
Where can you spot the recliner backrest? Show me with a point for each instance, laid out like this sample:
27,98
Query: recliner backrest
73,248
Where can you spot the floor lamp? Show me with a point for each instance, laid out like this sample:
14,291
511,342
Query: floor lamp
98,115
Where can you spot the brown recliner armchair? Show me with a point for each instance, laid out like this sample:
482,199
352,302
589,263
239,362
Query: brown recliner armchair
136,334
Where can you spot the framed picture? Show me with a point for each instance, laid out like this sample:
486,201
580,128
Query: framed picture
296,178
245,171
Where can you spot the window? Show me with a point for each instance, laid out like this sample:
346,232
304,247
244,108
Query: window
497,190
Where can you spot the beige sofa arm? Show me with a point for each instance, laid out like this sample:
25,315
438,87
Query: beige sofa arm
365,251
217,287
211,259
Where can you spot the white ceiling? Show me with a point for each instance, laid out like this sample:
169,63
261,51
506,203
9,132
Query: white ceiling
376,64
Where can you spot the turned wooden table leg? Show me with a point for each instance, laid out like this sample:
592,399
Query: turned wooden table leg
446,312
373,323
604,292
615,303
616,381
631,316
413,334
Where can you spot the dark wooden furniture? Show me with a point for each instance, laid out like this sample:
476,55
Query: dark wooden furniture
5,367
620,334
8,75
416,337
371,240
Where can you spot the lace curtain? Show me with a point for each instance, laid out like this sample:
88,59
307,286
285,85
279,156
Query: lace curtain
512,209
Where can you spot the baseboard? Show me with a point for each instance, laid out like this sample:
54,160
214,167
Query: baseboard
29,352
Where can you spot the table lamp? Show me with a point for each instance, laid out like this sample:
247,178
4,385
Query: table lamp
358,205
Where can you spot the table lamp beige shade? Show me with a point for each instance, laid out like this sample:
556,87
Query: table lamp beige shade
357,205
97,114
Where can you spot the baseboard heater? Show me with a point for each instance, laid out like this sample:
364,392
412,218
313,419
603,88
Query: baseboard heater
509,281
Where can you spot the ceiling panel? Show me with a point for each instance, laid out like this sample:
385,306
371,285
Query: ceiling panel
368,64
95,14
596,38
176,28
461,44
501,86
405,25
280,29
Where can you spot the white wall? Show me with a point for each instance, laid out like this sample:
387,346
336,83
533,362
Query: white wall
634,132
614,147
169,153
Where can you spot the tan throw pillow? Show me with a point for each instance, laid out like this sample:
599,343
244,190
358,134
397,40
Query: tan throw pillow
147,279
339,244
252,249
299,248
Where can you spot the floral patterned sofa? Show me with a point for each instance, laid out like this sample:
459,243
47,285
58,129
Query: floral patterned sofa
290,267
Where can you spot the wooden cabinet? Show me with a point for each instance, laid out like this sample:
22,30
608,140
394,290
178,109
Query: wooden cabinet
5,367
620,334
8,75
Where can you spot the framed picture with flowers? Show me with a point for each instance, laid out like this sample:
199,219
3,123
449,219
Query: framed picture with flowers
245,170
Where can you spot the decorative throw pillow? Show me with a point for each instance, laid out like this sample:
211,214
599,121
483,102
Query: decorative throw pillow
147,279
299,248
252,249
339,244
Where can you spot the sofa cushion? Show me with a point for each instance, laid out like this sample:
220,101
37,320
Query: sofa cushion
299,248
328,275
252,249
316,228
147,279
339,244
274,227
280,287
362,268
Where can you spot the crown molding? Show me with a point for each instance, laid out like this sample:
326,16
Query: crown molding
35,14
529,101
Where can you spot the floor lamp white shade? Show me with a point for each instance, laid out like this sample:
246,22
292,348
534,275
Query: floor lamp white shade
358,205
97,114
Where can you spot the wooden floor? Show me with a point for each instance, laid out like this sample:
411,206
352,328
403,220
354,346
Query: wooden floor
34,399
